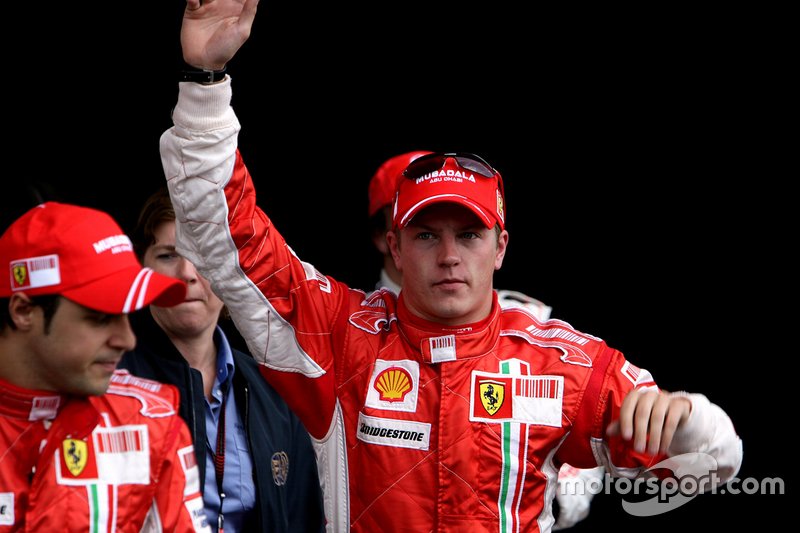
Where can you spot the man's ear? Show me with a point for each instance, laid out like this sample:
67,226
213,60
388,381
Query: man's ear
21,311
393,242
502,246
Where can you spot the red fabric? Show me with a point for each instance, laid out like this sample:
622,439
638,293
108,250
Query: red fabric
454,184
432,457
54,466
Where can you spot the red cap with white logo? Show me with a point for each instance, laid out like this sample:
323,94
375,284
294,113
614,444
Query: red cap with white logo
459,178
83,255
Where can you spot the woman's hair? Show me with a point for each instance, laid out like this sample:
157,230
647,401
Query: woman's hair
155,211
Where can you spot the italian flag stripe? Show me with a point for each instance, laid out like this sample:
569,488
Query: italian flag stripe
514,450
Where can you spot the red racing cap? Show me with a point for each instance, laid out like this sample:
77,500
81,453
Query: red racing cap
384,182
83,255
459,178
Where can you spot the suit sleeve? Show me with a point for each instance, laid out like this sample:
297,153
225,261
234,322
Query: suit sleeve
283,307
708,430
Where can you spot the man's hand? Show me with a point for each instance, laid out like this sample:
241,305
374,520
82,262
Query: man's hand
213,30
650,418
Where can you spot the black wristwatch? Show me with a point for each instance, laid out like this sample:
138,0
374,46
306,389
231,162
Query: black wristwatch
201,76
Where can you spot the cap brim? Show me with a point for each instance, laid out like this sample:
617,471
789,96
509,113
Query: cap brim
488,220
128,290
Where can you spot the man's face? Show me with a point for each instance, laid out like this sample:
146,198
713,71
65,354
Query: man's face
80,349
202,307
447,259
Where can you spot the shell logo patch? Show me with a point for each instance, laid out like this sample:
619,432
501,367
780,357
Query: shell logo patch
393,384
492,395
76,453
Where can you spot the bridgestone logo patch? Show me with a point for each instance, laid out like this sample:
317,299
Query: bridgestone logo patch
396,433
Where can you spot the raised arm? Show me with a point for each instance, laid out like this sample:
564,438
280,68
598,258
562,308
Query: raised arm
282,306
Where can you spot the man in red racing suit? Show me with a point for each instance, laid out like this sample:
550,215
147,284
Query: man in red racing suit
418,427
118,460
85,447
419,424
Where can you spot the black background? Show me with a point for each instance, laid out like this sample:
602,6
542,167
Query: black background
644,156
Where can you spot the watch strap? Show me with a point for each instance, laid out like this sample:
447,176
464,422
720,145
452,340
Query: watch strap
201,76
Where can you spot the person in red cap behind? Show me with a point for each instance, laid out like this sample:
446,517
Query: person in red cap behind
434,409
83,446
573,495
380,196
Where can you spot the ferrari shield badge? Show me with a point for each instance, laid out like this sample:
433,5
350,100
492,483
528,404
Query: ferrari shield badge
492,395
75,454
20,272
